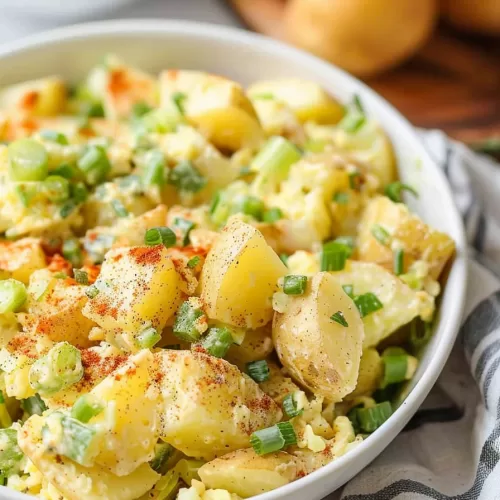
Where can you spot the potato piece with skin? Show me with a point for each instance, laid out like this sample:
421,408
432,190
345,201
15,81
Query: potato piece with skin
208,406
407,231
55,309
247,474
75,481
371,370
400,303
240,276
215,105
320,353
21,258
257,344
307,99
139,286
44,97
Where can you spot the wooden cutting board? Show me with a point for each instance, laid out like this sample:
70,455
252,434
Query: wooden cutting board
452,84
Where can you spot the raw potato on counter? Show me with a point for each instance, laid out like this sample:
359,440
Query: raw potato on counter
206,292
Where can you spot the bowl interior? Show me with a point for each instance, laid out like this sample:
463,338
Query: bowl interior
155,45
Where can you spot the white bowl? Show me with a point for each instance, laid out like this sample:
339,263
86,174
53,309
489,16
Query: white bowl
246,57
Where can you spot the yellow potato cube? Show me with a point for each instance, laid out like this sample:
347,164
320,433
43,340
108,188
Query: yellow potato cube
21,258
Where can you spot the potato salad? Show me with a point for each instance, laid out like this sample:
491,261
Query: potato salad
206,291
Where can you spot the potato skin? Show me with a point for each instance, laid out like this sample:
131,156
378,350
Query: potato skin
208,406
247,474
319,353
240,276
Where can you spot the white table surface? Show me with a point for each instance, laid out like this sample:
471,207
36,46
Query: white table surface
19,22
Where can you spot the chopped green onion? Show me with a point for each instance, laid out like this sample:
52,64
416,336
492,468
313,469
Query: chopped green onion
86,407
348,242
33,405
28,160
288,433
12,295
267,440
79,192
81,277
399,256
178,99
215,202
294,284
186,177
354,180
341,198
188,469
26,192
56,188
60,276
92,292
420,334
95,165
290,406
250,205
272,215
140,109
284,258
64,170
159,121
393,191
349,290
218,341
370,419
355,118
186,326
334,256
367,303
316,145
380,234
163,451
148,338
184,226
160,236
167,486
11,455
119,208
395,367
54,136
155,169
339,318
61,367
71,251
258,370
264,96
193,261
5,419
356,104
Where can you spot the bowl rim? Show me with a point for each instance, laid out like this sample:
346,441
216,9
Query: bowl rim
446,333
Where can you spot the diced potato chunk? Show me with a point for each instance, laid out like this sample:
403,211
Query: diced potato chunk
307,99
247,474
75,481
257,344
371,370
21,258
137,285
132,398
215,105
208,406
407,231
240,276
44,97
400,303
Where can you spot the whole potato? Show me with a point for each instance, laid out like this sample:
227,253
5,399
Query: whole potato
479,17
320,353
363,37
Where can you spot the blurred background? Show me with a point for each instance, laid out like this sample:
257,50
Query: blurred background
437,61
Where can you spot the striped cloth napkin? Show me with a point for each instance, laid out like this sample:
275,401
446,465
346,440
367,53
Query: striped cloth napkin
451,447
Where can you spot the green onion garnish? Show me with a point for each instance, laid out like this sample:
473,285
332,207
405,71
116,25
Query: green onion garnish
178,99
140,109
334,256
12,295
354,180
367,303
393,191
54,136
215,201
339,318
290,406
56,188
67,209
155,169
64,170
193,261
185,326
148,338
284,258
184,227
81,276
160,236
92,292
355,118
217,342
398,257
119,208
86,407
11,456
250,205
79,192
294,284
348,242
95,165
380,234
288,433
272,215
349,290
420,334
33,405
71,251
370,419
163,451
341,198
186,177
60,275
28,161
258,370
395,369
273,438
